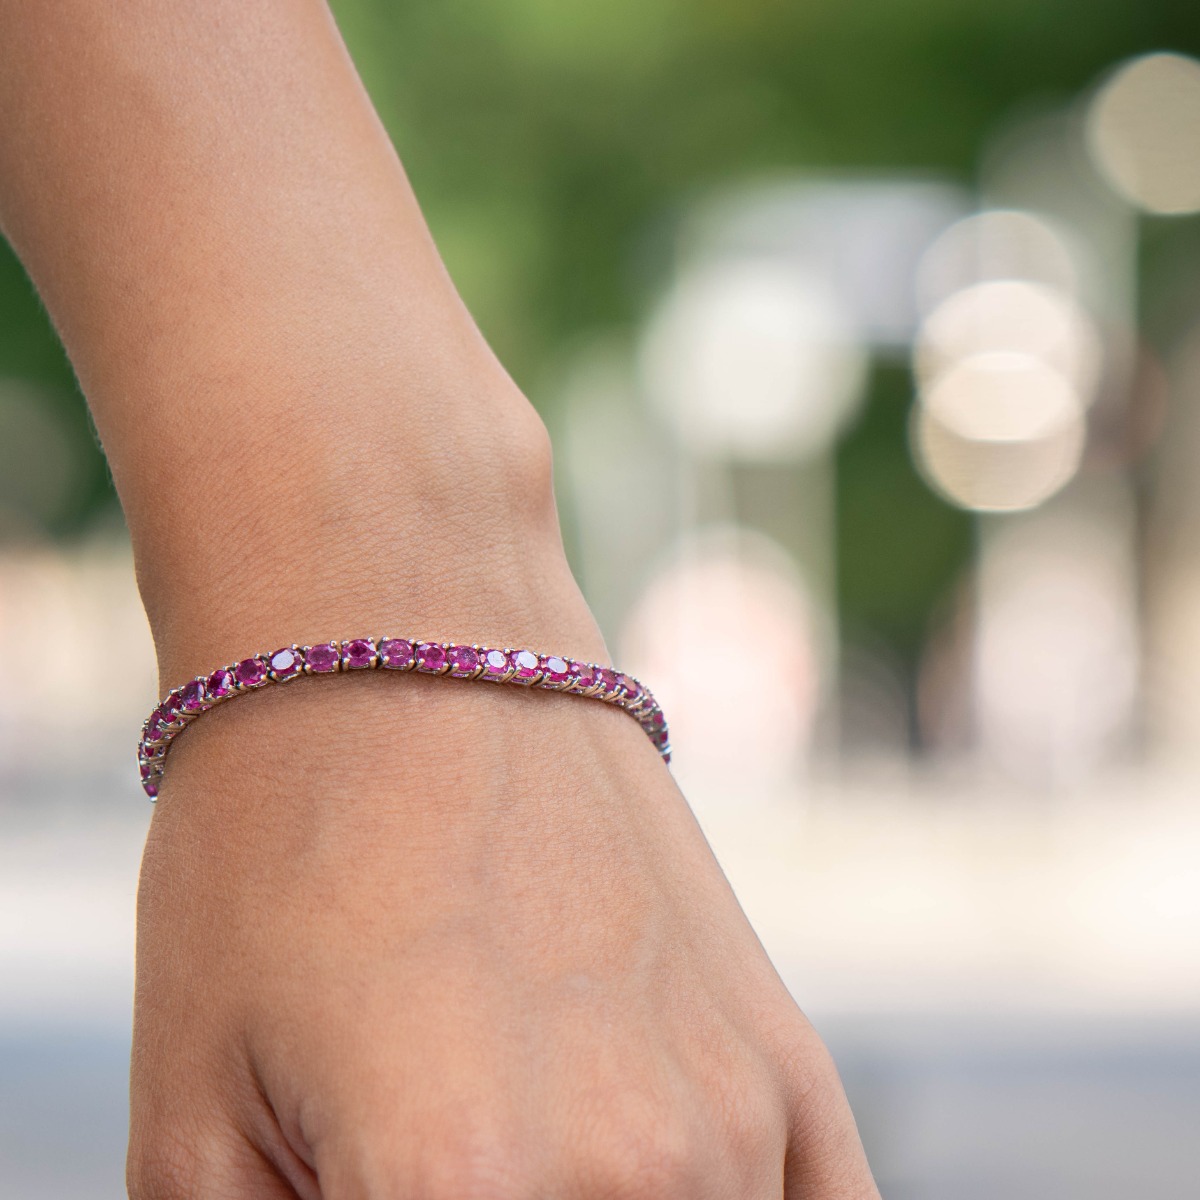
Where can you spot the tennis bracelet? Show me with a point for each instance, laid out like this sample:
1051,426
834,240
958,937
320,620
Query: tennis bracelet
524,667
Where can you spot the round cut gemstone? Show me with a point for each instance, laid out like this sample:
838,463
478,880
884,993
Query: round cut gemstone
154,726
525,664
464,660
168,716
322,658
251,672
193,696
554,669
584,674
220,683
633,692
608,678
656,720
150,788
430,656
396,653
286,662
495,664
358,653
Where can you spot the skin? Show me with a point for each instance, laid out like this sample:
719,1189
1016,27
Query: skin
395,938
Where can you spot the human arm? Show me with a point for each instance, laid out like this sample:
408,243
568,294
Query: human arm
396,937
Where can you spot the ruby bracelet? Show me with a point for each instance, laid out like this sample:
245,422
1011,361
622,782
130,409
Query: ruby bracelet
524,667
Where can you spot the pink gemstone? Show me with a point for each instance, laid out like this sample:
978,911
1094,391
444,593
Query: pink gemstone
608,678
170,707
525,664
584,674
656,719
397,653
154,726
151,789
358,653
220,683
193,696
464,660
495,664
554,669
430,657
144,768
251,672
633,692
285,663
322,658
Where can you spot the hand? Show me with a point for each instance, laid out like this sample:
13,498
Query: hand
402,937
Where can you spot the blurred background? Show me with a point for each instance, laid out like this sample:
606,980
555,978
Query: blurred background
869,339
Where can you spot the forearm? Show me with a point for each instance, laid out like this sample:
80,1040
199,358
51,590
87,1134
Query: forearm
307,432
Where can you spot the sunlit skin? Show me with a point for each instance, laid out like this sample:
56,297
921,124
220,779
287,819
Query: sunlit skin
396,938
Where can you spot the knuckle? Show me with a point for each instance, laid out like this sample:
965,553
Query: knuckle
811,1073
456,1163
162,1166
820,1118
492,1178
471,1161
651,1160
754,1128
746,1104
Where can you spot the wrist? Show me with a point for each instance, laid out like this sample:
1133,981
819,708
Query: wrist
450,531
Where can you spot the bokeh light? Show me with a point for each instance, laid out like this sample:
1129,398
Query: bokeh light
1056,668
997,244
1011,315
752,359
1002,397
751,723
1143,131
1006,362
863,237
999,436
51,603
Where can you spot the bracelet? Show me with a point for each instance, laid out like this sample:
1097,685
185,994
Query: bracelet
184,704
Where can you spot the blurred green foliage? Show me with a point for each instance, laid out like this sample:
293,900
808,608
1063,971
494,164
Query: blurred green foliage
551,145
546,140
